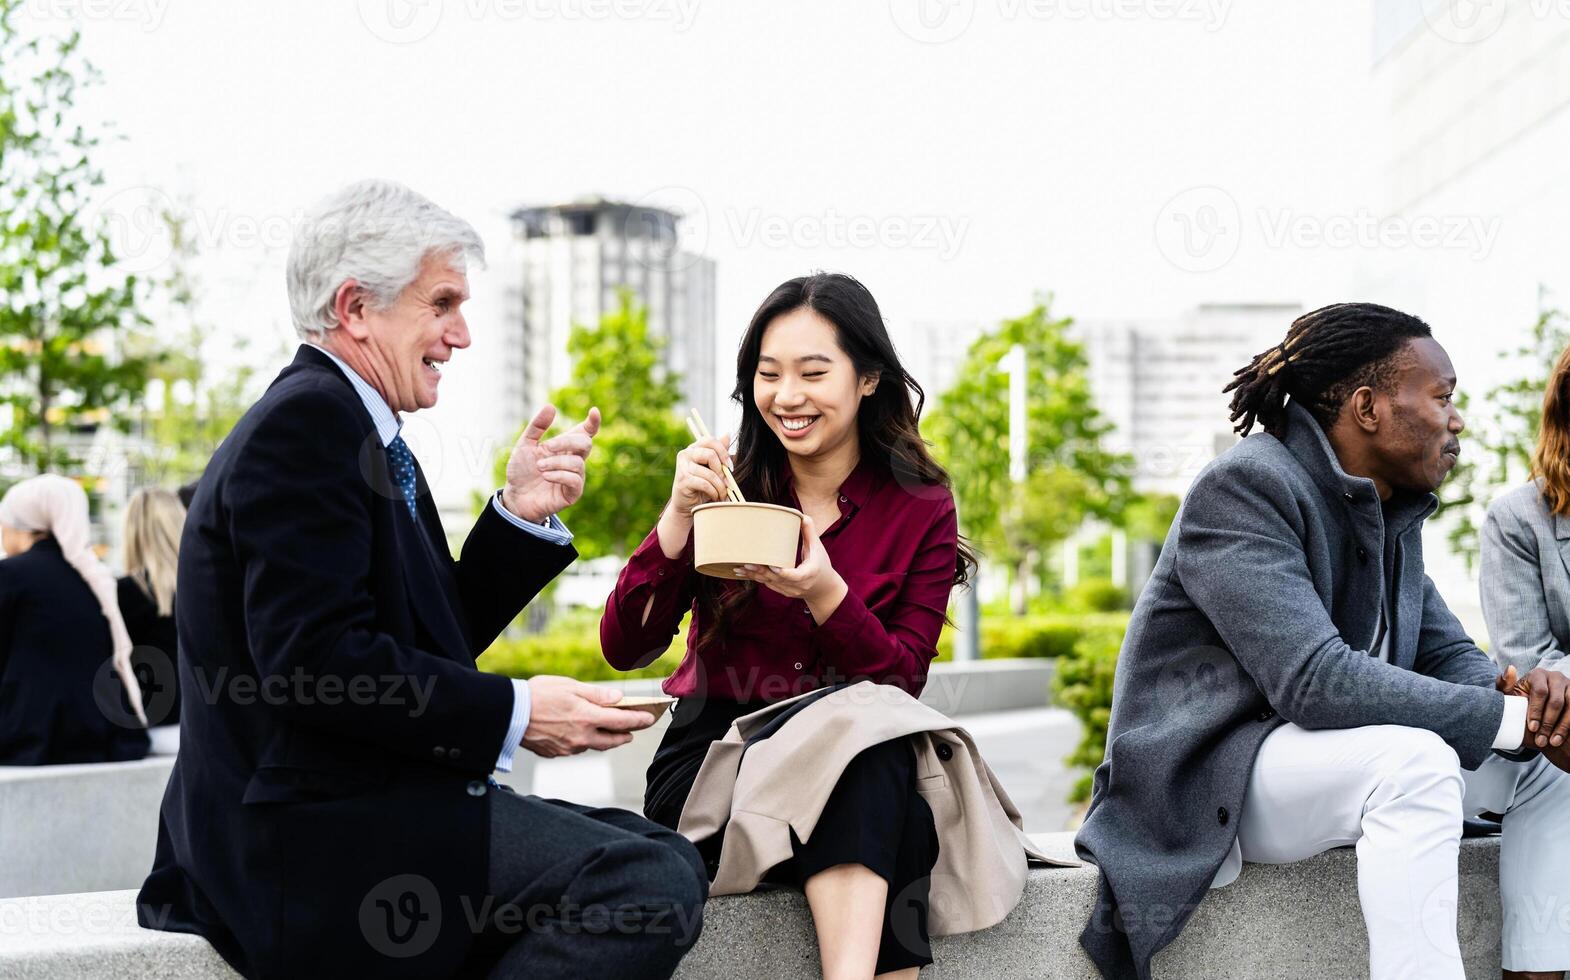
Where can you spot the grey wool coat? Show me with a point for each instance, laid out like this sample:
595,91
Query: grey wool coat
1261,610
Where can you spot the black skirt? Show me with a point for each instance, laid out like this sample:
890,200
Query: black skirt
874,817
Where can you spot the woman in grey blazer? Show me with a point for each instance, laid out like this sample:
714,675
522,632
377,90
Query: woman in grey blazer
1526,548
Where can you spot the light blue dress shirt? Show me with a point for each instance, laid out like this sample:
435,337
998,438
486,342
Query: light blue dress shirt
388,426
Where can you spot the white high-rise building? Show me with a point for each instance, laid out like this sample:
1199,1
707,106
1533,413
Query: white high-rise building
1160,383
572,260
1474,109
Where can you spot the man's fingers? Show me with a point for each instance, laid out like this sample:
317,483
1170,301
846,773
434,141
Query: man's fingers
1506,681
613,719
540,424
591,425
596,694
568,463
1536,700
1556,719
574,442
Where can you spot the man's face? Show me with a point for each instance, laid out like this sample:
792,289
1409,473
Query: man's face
407,343
1419,447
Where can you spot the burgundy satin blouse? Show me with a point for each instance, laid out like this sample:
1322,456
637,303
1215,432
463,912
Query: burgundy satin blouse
894,545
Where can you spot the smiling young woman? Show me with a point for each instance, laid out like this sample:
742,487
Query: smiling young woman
829,426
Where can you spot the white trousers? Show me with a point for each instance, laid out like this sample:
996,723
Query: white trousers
1399,795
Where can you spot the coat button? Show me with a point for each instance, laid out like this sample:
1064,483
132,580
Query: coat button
439,752
1266,715
1222,816
1362,556
945,751
454,753
1349,497
476,788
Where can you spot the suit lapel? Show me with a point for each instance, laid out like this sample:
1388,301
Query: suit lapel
1562,537
433,595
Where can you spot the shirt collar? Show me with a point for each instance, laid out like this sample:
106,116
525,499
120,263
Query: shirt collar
387,422
1308,442
856,489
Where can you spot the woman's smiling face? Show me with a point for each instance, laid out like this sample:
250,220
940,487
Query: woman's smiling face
805,386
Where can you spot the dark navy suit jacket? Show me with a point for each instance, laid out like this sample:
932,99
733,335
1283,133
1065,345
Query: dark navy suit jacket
316,787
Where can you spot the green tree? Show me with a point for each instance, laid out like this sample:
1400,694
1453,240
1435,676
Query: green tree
1070,475
1497,449
616,366
193,404
69,320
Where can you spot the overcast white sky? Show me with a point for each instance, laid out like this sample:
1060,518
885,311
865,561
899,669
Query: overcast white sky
995,149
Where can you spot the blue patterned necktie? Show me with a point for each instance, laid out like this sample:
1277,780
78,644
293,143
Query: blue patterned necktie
401,462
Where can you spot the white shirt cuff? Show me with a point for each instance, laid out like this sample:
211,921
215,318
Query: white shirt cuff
553,530
520,724
1512,727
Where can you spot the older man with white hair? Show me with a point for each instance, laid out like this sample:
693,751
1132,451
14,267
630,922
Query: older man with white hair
331,812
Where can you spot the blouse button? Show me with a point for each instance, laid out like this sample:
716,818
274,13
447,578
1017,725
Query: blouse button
843,500
798,666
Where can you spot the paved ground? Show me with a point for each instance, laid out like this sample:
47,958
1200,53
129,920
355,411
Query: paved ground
1025,749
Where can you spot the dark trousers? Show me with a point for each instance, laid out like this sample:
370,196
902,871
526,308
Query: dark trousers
583,892
874,817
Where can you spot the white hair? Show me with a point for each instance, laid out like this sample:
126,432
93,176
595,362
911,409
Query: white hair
377,233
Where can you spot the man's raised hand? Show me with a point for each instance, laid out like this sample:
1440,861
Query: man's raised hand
544,478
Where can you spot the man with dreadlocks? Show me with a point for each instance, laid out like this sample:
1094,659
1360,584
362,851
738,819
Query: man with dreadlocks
1291,680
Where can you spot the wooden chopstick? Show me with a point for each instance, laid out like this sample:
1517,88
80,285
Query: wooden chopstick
700,432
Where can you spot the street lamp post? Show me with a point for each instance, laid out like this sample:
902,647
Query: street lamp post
966,646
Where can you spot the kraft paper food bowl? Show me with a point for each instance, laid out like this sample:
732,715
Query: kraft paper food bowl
655,706
727,534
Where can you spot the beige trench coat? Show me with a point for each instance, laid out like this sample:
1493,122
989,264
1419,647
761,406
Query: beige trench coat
983,850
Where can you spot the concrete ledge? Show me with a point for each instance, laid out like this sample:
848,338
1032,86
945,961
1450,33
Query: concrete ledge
1299,920
966,688
79,828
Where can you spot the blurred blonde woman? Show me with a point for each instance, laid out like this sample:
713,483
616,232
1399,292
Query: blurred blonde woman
67,691
153,522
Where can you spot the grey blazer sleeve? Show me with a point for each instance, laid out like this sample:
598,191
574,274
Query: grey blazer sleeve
1444,650
1515,598
1241,559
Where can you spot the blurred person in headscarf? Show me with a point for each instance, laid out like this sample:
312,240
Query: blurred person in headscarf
153,522
67,689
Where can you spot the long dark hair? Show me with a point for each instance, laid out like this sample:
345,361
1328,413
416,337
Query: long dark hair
886,422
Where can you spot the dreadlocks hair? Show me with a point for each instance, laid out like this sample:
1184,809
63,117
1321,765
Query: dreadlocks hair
1327,355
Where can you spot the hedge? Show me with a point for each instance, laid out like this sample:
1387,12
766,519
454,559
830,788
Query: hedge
572,650
1051,635
1082,683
